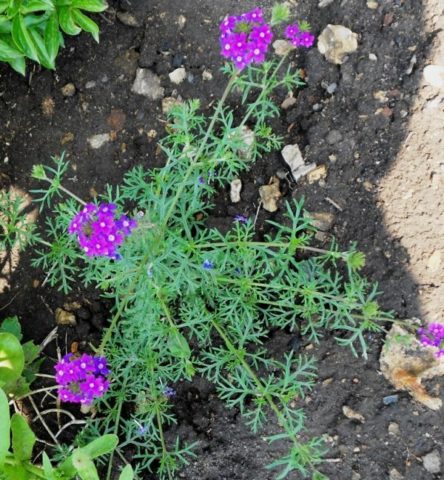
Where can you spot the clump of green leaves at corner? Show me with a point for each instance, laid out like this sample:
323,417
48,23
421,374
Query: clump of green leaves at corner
18,362
17,442
33,29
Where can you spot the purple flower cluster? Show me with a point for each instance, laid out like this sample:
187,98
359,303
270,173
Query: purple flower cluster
245,38
433,336
81,379
299,37
98,230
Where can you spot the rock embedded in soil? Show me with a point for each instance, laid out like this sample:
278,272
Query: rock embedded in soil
69,90
352,414
270,194
97,141
334,136
393,429
129,19
336,42
65,318
395,475
235,189
168,103
293,158
432,462
147,84
282,47
178,76
405,364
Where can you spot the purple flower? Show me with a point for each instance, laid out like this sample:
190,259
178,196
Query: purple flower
99,232
245,38
169,392
201,180
299,37
433,336
208,265
241,219
81,379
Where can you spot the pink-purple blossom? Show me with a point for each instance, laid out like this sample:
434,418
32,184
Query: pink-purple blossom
245,38
433,336
81,379
99,231
299,37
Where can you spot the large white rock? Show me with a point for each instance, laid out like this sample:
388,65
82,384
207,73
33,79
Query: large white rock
336,42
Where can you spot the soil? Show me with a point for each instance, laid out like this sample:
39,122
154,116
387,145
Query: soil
361,140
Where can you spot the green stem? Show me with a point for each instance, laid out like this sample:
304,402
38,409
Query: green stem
173,205
68,192
162,441
241,244
116,431
200,150
279,415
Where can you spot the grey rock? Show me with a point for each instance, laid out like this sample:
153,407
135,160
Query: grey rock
432,462
390,399
147,84
395,475
128,19
334,136
90,84
332,88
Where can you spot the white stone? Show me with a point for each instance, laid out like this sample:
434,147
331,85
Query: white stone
97,141
293,158
235,189
432,462
282,47
336,42
147,84
178,76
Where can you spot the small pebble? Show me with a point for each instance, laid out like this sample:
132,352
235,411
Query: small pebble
332,88
393,429
390,399
69,90
90,84
432,462
372,57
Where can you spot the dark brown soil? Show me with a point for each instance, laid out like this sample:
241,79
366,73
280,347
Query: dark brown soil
340,130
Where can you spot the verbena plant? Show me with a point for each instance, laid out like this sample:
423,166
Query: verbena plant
190,300
33,29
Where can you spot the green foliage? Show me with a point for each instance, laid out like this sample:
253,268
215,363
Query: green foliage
280,13
174,318
18,362
16,464
15,228
34,29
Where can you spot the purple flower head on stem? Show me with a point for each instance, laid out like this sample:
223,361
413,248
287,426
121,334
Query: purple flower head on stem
81,379
208,265
241,219
433,336
245,38
169,392
299,36
99,232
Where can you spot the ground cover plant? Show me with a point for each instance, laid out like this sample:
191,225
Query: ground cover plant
190,300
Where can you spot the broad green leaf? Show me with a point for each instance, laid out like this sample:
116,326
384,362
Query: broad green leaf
84,465
31,352
5,427
86,23
178,345
48,469
127,473
66,21
52,36
23,438
39,43
11,324
12,359
99,446
90,5
5,25
37,6
16,472
19,65
22,39
8,53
